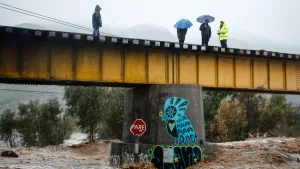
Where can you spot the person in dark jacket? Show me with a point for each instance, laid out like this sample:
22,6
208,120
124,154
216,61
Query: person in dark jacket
205,32
181,35
97,21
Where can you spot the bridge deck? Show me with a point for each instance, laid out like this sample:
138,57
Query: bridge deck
50,57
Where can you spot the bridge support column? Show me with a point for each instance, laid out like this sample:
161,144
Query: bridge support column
148,101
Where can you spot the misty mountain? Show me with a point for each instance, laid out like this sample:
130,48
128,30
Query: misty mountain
31,26
139,31
12,95
149,31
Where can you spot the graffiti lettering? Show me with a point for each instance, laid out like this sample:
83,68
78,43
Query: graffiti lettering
175,156
116,160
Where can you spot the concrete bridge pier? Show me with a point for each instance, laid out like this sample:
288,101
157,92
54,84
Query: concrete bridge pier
147,103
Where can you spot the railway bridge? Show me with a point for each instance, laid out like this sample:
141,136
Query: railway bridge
155,70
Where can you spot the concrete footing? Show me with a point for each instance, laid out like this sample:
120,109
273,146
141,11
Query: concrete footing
121,153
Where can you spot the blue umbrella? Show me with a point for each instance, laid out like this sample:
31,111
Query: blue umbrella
202,18
183,24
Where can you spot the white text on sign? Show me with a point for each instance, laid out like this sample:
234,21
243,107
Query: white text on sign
138,127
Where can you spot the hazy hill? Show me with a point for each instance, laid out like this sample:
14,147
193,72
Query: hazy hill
11,95
30,26
149,31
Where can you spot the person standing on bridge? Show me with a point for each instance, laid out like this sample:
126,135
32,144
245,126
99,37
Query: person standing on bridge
223,34
181,35
182,27
205,28
97,21
205,32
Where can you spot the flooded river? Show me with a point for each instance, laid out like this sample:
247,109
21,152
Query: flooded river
60,157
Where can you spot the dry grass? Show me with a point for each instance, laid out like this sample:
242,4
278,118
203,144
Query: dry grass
142,165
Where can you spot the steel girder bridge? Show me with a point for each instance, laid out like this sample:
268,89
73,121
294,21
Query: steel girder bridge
49,57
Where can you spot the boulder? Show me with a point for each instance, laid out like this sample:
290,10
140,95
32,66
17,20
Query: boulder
9,154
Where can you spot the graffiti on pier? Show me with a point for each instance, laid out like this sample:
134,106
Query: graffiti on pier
175,156
124,155
114,160
117,160
184,152
178,125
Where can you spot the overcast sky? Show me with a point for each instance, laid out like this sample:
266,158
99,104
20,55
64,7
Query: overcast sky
276,20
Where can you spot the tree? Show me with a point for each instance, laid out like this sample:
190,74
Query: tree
273,116
8,124
230,122
89,105
254,104
113,121
42,124
29,122
66,127
291,123
51,124
211,102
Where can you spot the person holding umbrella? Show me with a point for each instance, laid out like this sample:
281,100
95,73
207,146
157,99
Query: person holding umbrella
182,26
223,34
205,28
181,33
205,32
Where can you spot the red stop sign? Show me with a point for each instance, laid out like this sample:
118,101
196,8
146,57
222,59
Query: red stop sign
138,127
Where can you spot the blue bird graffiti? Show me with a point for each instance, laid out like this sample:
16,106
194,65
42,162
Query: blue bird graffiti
178,125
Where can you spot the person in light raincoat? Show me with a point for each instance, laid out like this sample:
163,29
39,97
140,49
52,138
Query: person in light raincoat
97,21
223,34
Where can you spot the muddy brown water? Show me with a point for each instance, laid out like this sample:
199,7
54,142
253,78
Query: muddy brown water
59,157
59,160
